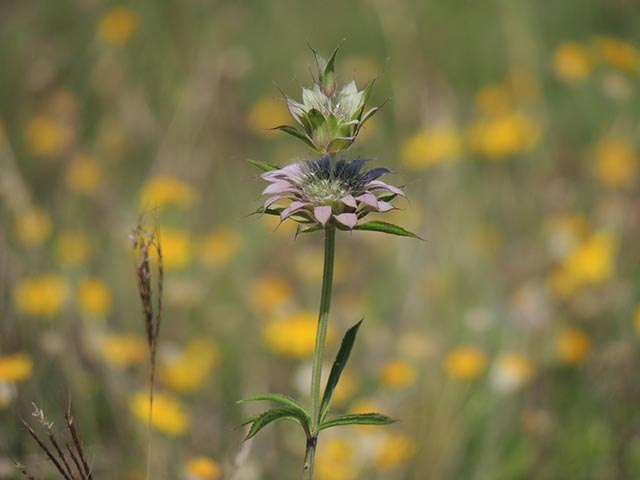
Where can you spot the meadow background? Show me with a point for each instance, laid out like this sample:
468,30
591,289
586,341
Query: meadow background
506,343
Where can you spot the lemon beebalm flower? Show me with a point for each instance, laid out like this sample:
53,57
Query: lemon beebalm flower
572,345
84,174
266,114
117,25
220,246
397,374
122,350
93,297
465,363
32,227
15,367
47,136
202,468
571,61
615,163
169,415
431,147
292,336
41,295
394,452
164,190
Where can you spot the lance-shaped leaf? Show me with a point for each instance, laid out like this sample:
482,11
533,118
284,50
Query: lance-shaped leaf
338,366
285,400
357,419
264,166
327,79
296,133
258,422
384,227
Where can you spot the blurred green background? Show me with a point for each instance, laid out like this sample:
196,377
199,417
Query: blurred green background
506,343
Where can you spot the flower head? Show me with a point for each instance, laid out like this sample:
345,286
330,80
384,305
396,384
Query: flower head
320,192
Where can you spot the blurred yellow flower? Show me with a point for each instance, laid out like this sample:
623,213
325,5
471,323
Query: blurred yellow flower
572,345
292,336
394,451
202,468
117,25
616,53
271,294
615,163
189,370
268,113
15,367
308,264
176,246
431,146
465,363
72,248
364,405
571,61
169,415
220,246
41,295
505,135
163,190
122,350
397,374
93,297
32,227
48,136
335,460
511,371
83,174
493,100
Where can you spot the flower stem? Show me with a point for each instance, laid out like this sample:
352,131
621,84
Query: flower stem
321,335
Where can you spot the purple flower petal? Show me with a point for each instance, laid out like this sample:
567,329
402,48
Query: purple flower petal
322,214
349,220
380,185
375,173
349,201
384,206
293,208
270,201
368,198
278,187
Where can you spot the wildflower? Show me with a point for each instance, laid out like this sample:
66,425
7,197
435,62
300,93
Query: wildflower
616,53
169,415
502,136
93,297
571,61
394,451
266,113
176,247
430,147
187,371
47,136
511,371
163,190
220,246
117,25
615,163
32,228
465,363
292,336
83,174
41,295
397,374
271,294
330,118
321,193
123,350
336,460
15,367
572,345
202,468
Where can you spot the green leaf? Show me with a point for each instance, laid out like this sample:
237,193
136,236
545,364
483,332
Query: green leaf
384,227
275,397
357,419
328,77
281,413
264,166
338,366
308,229
293,131
273,210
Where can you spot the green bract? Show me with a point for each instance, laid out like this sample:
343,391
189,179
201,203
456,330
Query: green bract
329,118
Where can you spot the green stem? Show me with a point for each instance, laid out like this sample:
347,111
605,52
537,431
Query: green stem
321,336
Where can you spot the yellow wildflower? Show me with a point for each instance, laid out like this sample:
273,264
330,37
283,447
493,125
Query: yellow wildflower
83,174
431,146
15,367
511,371
47,136
308,264
571,61
266,114
397,374
615,163
189,370
41,295
72,248
394,451
492,100
124,350
93,297
292,336
163,190
465,363
335,460
176,247
616,53
169,415
117,25
202,468
572,345
364,405
220,246
502,136
32,227
271,294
